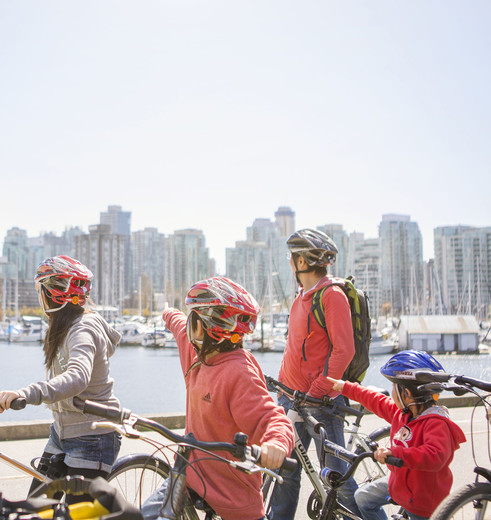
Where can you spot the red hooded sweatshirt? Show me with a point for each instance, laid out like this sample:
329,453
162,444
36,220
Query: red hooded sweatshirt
227,396
426,444
304,359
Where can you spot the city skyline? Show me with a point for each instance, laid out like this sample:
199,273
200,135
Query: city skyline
218,259
206,116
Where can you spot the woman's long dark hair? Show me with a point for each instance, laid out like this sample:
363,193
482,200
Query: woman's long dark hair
59,324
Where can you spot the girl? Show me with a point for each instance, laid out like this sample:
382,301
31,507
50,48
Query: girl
226,394
77,348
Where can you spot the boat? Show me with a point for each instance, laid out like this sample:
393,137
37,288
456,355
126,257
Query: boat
33,329
132,332
156,339
383,342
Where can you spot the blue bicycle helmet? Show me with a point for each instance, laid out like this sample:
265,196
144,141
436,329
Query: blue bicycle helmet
400,370
401,366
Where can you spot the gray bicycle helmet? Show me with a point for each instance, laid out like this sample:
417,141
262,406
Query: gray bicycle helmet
316,247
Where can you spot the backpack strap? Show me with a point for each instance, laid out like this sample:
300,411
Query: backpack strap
320,316
319,313
317,310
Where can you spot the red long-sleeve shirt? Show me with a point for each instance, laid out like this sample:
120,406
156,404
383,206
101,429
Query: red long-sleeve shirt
303,364
227,396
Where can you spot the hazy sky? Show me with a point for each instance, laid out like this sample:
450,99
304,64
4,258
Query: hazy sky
208,114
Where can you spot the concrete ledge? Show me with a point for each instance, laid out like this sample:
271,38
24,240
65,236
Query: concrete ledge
18,431
450,401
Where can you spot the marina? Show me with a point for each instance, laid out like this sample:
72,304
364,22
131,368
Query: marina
150,380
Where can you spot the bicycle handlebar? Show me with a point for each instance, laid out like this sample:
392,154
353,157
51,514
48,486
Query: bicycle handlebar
355,459
300,398
441,377
18,404
238,449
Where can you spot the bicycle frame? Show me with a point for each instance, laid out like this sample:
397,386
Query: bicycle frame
245,456
304,458
26,469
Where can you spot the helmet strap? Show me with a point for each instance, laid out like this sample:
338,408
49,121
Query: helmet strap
55,309
297,271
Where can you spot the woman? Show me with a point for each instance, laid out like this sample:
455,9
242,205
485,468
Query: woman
77,348
226,394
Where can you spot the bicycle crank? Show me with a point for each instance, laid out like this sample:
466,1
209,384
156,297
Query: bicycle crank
314,505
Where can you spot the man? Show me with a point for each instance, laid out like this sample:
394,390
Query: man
311,353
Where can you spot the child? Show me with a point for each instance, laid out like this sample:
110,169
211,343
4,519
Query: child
226,394
422,435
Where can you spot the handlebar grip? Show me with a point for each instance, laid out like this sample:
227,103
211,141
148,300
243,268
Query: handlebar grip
107,412
18,404
289,464
394,461
423,376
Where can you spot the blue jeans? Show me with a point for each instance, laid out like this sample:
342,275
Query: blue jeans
372,496
151,508
285,499
153,504
88,451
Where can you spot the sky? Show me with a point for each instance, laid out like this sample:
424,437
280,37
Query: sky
207,115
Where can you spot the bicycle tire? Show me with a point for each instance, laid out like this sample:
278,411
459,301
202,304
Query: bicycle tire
469,502
138,476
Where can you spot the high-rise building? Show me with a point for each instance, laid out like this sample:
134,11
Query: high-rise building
188,262
463,268
15,250
119,222
103,252
340,238
366,271
117,219
261,266
285,221
150,260
401,280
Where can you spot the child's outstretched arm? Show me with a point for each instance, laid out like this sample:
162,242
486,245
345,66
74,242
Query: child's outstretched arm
337,384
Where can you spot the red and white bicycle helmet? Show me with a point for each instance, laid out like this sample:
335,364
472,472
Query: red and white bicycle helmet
226,309
64,280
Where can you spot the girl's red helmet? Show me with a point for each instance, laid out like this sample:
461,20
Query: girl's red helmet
64,280
226,309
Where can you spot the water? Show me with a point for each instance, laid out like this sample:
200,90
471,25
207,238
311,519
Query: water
151,381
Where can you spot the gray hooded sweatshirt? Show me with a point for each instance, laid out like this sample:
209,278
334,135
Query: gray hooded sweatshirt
79,371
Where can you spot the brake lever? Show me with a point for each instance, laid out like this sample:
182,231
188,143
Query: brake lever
123,429
250,467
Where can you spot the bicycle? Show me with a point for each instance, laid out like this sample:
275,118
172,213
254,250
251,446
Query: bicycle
329,508
472,500
179,502
107,502
358,443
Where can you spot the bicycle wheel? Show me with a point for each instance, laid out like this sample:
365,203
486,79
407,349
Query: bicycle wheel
370,470
468,503
138,476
